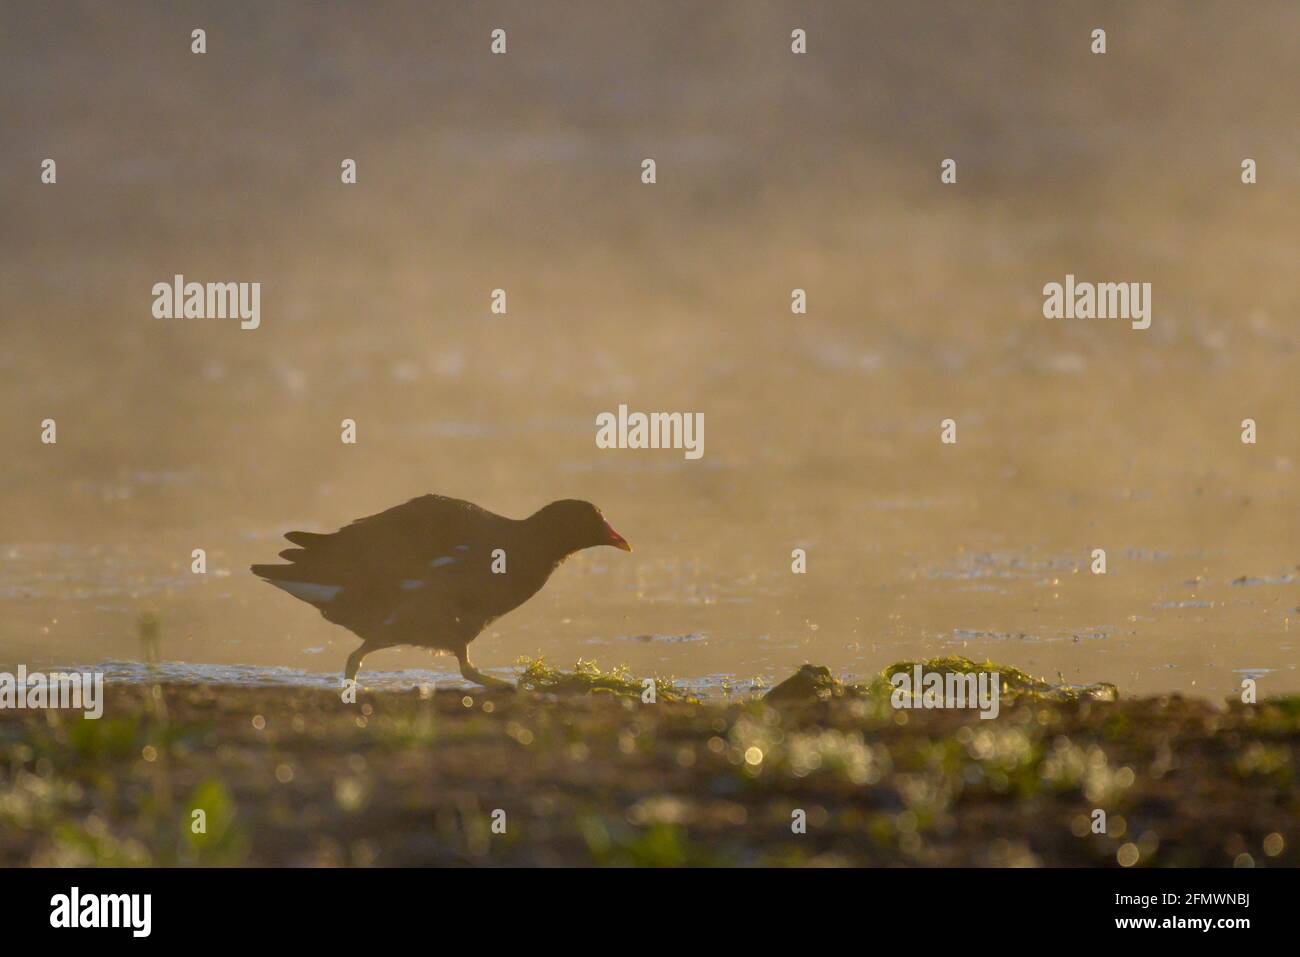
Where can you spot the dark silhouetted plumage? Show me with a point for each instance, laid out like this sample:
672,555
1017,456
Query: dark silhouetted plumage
423,573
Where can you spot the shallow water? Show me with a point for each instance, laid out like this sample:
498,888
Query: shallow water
406,679
822,430
1044,615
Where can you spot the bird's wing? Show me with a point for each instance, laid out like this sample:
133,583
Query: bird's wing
430,552
401,541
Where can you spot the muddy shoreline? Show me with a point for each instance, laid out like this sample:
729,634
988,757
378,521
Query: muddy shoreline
584,772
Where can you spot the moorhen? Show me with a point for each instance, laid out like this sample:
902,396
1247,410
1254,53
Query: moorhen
434,571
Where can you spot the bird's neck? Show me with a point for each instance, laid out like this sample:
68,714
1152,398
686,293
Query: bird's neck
549,542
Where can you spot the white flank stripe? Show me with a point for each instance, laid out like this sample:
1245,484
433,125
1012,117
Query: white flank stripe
309,591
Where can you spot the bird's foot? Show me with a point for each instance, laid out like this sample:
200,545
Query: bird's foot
470,673
495,684
487,681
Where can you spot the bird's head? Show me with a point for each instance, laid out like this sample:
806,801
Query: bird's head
573,525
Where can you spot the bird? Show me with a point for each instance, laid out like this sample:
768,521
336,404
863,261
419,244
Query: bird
433,572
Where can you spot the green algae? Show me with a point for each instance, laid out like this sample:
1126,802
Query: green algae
815,682
587,678
1014,683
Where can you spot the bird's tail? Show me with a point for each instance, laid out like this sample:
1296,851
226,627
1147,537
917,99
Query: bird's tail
307,576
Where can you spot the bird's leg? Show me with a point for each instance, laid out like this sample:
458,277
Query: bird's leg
470,673
354,663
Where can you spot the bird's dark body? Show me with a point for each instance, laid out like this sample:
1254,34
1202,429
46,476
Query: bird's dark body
422,573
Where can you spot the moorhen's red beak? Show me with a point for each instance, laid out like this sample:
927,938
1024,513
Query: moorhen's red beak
615,539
